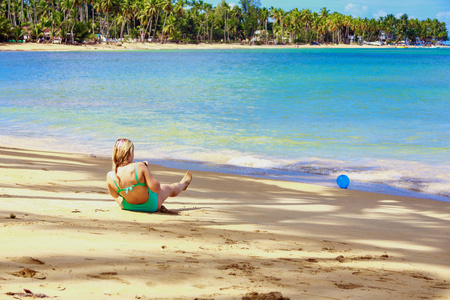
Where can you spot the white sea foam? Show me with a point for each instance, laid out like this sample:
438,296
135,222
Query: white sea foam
253,162
405,175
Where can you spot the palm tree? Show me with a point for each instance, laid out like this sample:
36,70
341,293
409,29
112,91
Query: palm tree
332,23
18,33
148,11
402,28
209,16
316,24
323,27
9,11
324,12
107,7
199,20
347,23
235,23
21,16
226,8
306,19
167,8
122,18
278,15
374,29
125,14
178,10
442,33
170,28
434,29
388,26
157,13
5,28
264,18
293,18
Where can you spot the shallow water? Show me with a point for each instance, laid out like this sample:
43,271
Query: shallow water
378,115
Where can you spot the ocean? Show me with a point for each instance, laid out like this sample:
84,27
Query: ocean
380,116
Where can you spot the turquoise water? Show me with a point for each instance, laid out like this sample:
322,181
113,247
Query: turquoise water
381,116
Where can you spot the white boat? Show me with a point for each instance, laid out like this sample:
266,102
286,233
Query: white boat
377,43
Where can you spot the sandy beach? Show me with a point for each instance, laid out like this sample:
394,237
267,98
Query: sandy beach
63,237
158,46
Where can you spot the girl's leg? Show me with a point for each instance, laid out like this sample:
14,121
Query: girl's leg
174,189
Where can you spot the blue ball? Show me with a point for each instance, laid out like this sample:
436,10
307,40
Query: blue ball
343,181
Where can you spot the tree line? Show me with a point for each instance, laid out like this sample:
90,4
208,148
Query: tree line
195,21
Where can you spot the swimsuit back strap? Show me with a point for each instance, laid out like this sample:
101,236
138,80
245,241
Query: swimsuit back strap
112,177
135,173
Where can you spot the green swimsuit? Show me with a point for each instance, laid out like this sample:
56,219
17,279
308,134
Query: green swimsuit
150,206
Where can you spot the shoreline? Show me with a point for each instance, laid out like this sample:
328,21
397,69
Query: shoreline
168,46
323,180
234,235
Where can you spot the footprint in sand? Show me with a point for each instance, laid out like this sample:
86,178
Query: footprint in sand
342,259
191,260
348,286
26,260
108,276
163,266
244,267
264,296
29,273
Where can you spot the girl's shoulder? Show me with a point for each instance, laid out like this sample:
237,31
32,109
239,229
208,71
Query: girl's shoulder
141,166
110,177
142,169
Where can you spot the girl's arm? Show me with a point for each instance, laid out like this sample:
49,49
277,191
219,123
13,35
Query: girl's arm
150,180
112,191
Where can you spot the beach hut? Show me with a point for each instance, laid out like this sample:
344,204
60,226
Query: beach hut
47,35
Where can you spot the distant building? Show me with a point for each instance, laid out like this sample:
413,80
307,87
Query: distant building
384,36
47,35
260,35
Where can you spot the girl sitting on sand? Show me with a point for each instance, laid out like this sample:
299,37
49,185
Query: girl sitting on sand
133,186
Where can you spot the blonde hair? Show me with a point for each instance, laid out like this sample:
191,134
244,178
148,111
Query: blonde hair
122,150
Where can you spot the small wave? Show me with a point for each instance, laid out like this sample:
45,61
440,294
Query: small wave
253,162
404,175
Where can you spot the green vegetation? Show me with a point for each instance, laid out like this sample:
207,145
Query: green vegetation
194,21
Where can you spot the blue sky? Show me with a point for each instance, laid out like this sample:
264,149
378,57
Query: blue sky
420,9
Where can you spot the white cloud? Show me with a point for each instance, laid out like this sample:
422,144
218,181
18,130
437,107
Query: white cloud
380,13
444,16
356,10
399,15
350,6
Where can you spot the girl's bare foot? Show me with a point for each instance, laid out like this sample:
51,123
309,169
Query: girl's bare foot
186,180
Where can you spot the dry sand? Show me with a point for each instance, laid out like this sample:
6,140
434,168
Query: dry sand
156,46
62,236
